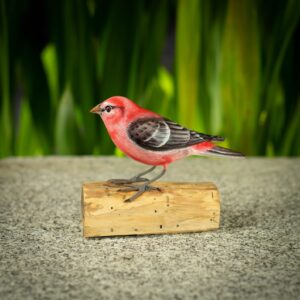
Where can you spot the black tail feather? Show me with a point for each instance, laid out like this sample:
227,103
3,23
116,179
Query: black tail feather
208,137
217,138
217,150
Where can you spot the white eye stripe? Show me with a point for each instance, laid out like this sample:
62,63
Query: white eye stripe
108,108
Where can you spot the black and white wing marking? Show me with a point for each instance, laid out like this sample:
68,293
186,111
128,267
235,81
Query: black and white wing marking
158,134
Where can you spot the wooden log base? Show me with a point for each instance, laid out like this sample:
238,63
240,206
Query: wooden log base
179,207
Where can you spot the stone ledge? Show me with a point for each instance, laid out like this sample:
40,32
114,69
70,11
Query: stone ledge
252,256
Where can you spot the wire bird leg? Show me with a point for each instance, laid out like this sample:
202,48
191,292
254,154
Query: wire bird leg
142,188
137,178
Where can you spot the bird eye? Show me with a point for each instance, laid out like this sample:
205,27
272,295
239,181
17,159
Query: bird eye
108,108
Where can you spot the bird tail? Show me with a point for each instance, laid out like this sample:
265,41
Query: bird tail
209,148
221,151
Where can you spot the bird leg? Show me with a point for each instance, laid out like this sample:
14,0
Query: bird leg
137,178
142,188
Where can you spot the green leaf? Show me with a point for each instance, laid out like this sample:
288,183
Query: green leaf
240,75
188,34
27,140
49,60
5,113
66,133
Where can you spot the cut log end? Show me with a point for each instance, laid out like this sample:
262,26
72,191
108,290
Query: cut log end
177,208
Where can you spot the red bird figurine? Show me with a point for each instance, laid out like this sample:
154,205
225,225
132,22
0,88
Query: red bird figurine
152,139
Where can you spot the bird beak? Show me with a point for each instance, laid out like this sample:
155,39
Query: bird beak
95,110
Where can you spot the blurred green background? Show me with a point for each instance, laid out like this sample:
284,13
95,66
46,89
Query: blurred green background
221,67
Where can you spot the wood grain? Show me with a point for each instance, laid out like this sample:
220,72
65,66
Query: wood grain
179,207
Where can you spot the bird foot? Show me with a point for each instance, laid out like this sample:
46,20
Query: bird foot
140,190
127,181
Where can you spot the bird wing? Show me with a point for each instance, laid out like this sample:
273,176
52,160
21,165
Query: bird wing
160,134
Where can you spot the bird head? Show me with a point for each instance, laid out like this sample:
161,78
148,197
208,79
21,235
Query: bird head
112,109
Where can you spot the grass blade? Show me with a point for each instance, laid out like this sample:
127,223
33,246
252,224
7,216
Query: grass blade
5,119
188,34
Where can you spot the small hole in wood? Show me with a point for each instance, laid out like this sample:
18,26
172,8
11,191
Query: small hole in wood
135,229
111,229
111,207
168,201
155,211
177,225
160,226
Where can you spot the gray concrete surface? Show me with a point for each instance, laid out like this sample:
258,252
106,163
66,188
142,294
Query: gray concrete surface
254,255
